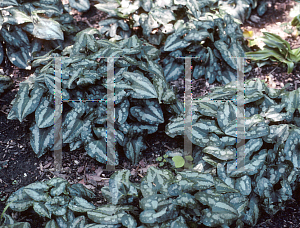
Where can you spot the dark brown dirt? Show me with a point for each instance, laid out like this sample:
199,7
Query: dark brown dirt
19,165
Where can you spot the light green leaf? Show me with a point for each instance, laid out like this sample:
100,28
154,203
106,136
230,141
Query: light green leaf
179,161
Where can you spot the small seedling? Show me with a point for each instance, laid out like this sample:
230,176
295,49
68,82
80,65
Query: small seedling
162,160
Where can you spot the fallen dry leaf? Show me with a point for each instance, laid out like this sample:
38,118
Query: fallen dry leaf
80,169
142,163
47,165
88,186
93,177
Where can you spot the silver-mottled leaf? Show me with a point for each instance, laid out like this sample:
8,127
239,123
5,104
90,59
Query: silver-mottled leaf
19,200
58,205
97,149
78,222
78,204
222,154
6,82
150,114
151,202
81,5
73,125
129,221
159,178
99,216
222,187
251,216
148,217
292,148
243,184
41,210
51,224
26,101
163,16
41,139
174,42
173,71
133,149
44,114
142,87
58,186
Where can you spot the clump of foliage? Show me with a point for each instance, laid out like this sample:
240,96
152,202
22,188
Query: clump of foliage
187,199
53,199
271,150
241,9
181,28
140,88
276,50
32,28
157,17
216,43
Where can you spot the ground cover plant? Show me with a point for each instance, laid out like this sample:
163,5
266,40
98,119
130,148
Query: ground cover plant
32,28
219,194
140,89
187,28
269,142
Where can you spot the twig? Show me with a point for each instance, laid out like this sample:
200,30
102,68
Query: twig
86,21
4,112
273,70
